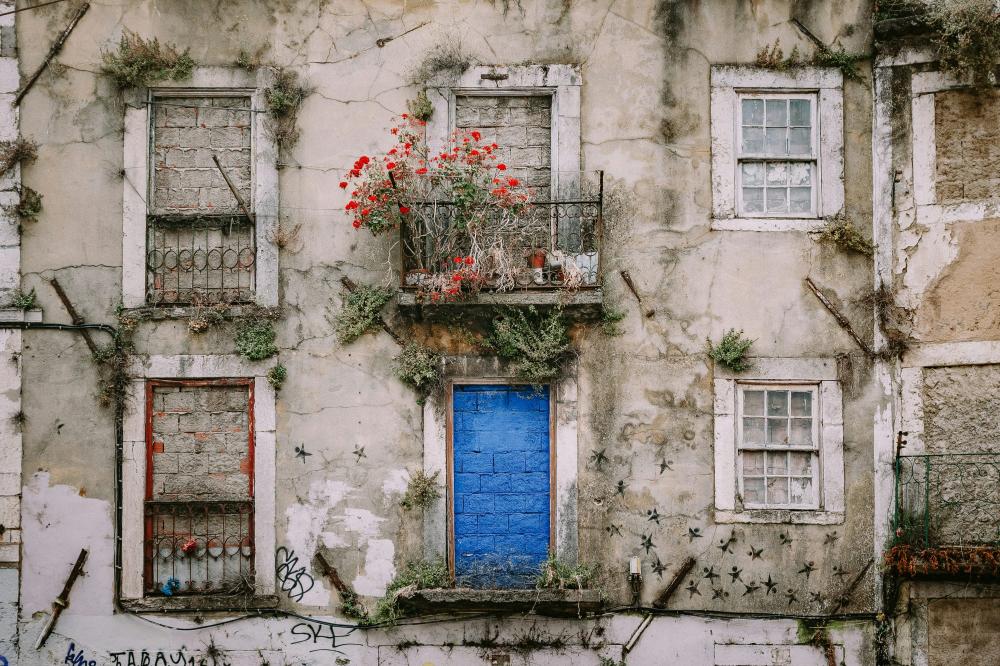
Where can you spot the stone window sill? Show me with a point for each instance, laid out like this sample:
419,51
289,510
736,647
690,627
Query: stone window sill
556,603
786,516
581,302
766,224
207,603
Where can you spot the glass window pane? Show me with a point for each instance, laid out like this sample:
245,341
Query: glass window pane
777,115
753,140
777,403
800,433
801,403
753,174
777,201
753,199
774,142
777,463
753,112
798,112
753,431
800,199
753,490
800,463
799,141
799,173
777,173
777,431
777,491
753,402
753,463
801,491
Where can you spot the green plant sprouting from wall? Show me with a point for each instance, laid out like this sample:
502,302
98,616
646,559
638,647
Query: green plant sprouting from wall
283,100
23,300
16,151
447,59
276,376
559,575
419,368
536,345
140,62
113,362
773,57
610,320
421,491
731,351
360,313
30,205
842,233
255,338
420,575
420,107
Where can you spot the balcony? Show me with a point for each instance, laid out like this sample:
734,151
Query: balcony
547,252
199,260
947,513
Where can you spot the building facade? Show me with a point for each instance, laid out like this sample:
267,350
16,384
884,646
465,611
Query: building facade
417,333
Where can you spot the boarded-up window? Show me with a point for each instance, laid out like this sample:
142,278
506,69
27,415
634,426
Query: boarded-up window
199,490
967,138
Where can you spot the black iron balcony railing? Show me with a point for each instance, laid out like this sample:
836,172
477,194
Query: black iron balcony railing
546,244
200,259
195,548
948,500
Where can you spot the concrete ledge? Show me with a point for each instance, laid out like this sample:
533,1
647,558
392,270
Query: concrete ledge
555,603
580,304
200,604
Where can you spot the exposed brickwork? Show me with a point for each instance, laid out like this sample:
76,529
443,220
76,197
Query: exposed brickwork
968,144
521,126
185,179
501,445
962,409
200,443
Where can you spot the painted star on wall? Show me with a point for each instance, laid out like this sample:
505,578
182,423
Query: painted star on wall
692,589
647,542
770,585
300,452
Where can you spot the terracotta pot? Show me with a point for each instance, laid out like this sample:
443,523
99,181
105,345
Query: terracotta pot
537,258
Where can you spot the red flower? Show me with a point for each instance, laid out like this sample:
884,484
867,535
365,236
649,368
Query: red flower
457,277
404,210
351,205
395,130
405,116
364,159
421,171
365,211
390,165
513,182
355,173
372,197
502,166
356,224
477,136
343,185
458,260
469,261
494,146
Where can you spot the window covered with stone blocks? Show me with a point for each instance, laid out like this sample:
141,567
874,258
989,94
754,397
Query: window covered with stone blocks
199,506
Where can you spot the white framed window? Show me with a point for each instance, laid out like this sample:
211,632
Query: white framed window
778,164
777,148
779,443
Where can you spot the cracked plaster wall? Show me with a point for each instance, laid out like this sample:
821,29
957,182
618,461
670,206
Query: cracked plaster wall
646,397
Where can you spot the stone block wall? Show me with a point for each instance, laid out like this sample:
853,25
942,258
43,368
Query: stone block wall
962,409
521,126
200,443
968,144
186,133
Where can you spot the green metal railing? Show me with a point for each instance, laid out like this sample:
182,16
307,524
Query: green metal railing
948,500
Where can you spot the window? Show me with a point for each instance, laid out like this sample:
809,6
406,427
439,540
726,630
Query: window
779,454
188,239
777,156
199,488
779,443
777,148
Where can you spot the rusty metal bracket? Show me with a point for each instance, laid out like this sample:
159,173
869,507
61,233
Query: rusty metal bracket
351,286
664,596
232,188
56,48
845,598
62,601
635,292
841,319
73,314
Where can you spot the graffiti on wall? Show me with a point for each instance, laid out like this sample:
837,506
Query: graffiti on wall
160,658
322,636
294,580
74,657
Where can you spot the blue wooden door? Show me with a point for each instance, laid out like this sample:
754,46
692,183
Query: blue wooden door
500,444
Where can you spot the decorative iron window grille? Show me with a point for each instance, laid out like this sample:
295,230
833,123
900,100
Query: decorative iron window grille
567,228
196,548
948,500
200,259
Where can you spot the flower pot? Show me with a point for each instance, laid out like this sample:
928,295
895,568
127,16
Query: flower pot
416,277
537,258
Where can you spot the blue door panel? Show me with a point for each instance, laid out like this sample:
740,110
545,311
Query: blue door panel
501,444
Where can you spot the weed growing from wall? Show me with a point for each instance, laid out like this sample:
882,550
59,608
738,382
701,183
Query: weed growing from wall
447,59
23,301
421,491
30,205
140,62
558,575
536,345
773,57
286,237
420,107
113,362
361,312
16,151
276,376
731,351
284,99
842,233
255,338
414,576
419,368
969,36
610,318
